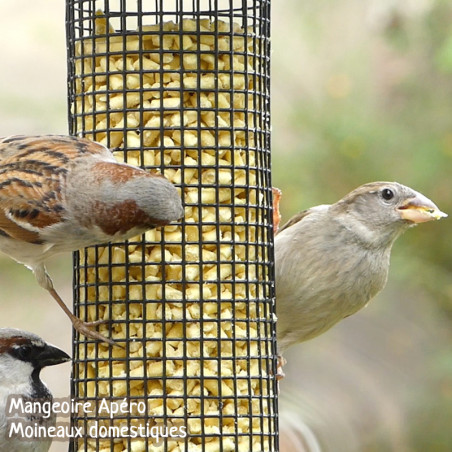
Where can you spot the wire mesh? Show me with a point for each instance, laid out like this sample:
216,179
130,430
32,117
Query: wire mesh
182,88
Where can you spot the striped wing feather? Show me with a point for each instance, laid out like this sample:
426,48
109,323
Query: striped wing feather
31,172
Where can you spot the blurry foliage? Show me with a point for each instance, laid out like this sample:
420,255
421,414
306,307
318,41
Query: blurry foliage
433,414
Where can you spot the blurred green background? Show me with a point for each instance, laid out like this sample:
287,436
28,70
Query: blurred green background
361,91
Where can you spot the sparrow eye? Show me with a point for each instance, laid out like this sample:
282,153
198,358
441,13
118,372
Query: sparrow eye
387,194
23,352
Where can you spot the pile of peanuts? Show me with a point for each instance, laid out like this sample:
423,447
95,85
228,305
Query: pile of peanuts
181,98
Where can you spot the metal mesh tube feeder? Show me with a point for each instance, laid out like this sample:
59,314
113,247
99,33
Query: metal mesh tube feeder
181,88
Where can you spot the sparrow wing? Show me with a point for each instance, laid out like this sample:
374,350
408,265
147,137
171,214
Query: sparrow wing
295,219
51,148
303,214
10,229
32,172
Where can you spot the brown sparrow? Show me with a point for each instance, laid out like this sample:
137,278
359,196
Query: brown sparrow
330,260
22,357
60,193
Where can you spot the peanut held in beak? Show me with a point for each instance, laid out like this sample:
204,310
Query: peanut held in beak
420,210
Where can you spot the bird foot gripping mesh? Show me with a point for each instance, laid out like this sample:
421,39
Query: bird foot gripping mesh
181,88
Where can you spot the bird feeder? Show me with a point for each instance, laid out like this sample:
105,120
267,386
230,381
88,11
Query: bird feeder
180,88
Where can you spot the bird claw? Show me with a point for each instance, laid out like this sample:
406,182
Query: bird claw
276,213
85,329
95,323
81,326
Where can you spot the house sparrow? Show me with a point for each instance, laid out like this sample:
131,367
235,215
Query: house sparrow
330,260
22,356
60,193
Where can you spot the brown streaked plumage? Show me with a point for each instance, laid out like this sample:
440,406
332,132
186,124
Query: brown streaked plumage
60,193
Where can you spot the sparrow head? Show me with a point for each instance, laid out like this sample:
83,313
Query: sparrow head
22,357
120,199
387,208
157,197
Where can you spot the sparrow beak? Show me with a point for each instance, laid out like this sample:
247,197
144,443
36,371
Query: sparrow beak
50,356
420,210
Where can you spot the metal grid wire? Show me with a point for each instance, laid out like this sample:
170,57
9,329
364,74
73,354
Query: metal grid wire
182,88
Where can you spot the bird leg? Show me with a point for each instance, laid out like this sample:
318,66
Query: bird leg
82,327
78,324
